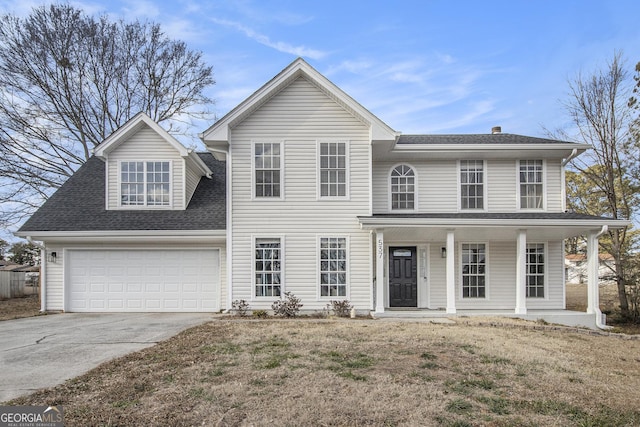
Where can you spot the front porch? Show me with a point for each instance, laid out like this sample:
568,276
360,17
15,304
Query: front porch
507,265
561,317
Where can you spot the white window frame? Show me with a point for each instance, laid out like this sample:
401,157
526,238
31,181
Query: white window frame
486,271
254,196
319,168
254,242
543,183
415,188
544,275
347,284
144,184
485,200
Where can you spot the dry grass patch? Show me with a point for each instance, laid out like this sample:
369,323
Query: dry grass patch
341,372
16,308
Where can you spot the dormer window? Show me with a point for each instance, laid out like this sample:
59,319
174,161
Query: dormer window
145,183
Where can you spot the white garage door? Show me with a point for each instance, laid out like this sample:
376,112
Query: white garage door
142,280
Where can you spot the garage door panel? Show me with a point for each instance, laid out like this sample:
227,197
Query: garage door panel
139,280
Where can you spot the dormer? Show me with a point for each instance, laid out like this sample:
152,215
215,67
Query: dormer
148,169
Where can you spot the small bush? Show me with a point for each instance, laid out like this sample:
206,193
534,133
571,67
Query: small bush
241,307
260,314
340,308
287,307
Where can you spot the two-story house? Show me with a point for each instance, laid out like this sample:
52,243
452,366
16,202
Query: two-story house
303,190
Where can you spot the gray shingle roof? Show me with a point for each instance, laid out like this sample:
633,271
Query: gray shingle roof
79,205
498,138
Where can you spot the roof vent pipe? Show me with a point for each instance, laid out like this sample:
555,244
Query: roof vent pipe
496,129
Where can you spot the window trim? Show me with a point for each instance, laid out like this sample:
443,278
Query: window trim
545,288
485,199
461,296
253,170
347,163
145,206
254,239
319,296
415,188
544,187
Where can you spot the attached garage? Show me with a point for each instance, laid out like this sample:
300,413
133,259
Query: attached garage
171,280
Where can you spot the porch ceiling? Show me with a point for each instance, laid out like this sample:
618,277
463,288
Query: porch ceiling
466,233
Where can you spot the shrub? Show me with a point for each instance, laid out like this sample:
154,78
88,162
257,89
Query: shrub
287,307
341,308
260,314
241,307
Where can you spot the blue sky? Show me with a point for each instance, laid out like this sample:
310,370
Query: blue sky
420,66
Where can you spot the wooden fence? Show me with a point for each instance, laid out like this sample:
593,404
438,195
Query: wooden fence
12,284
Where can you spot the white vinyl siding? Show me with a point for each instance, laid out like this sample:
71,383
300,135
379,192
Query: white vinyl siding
192,180
301,116
436,186
142,146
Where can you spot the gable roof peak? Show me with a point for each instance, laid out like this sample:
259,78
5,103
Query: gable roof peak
219,131
132,126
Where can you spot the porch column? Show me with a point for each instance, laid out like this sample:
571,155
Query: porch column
593,296
450,273
521,272
380,271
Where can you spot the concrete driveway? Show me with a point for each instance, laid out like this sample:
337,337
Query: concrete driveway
44,351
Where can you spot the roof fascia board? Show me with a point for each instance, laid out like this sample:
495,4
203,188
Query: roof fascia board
132,126
490,147
219,131
125,235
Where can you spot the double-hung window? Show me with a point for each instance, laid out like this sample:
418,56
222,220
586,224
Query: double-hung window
474,270
535,270
403,187
333,266
333,176
145,183
531,187
267,163
472,184
268,267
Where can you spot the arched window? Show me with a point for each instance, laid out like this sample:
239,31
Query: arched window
403,187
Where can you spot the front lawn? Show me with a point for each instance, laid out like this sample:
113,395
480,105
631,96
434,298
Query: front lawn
362,372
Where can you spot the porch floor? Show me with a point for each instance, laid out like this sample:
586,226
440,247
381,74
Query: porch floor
561,317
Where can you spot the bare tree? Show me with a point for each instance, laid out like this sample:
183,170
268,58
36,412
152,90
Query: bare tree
67,80
599,109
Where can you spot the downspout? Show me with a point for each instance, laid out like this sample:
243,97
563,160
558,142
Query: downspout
599,323
573,154
43,274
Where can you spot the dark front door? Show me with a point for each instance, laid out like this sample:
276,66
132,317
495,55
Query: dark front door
403,277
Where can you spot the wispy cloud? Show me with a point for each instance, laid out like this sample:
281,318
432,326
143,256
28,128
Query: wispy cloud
266,41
